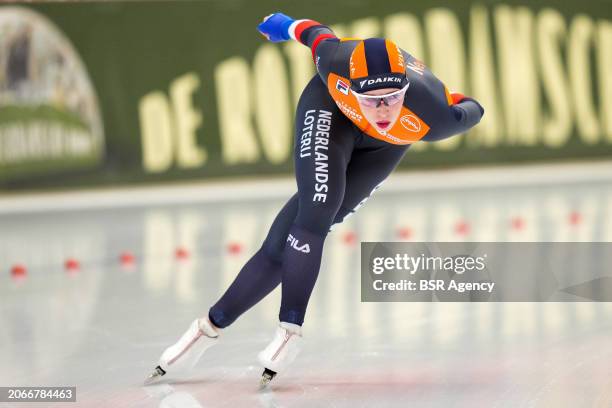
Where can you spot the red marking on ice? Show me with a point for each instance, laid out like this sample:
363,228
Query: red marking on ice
404,233
575,218
517,223
181,253
19,271
462,228
349,238
127,259
234,248
72,265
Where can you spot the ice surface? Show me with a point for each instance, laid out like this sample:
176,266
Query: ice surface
103,328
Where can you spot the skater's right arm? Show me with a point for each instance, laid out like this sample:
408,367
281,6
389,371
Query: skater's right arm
319,38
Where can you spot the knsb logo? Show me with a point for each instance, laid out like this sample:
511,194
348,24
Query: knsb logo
411,123
295,244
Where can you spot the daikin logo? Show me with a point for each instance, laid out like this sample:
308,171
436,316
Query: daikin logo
295,244
379,81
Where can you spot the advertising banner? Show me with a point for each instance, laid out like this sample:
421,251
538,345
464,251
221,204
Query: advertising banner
102,93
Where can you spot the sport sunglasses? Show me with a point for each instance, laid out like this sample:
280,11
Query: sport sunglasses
374,101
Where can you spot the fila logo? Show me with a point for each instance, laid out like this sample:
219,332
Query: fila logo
379,81
342,87
295,244
410,123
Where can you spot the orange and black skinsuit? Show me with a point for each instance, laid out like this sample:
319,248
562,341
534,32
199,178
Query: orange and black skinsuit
339,160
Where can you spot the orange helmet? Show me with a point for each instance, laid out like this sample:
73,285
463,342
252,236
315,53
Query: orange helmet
377,63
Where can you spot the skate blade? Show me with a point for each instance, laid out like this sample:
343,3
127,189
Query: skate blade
266,378
157,374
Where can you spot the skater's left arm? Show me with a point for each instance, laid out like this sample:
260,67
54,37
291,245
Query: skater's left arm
461,114
448,113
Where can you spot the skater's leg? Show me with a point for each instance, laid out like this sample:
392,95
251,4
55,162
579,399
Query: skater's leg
324,142
370,164
260,275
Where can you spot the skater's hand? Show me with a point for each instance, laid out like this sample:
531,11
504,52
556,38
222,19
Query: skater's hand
459,97
275,27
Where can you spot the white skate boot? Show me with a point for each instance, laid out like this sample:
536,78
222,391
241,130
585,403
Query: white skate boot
281,352
186,352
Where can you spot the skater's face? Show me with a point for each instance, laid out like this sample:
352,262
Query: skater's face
382,113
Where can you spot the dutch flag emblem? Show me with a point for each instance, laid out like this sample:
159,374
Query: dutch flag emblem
342,87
